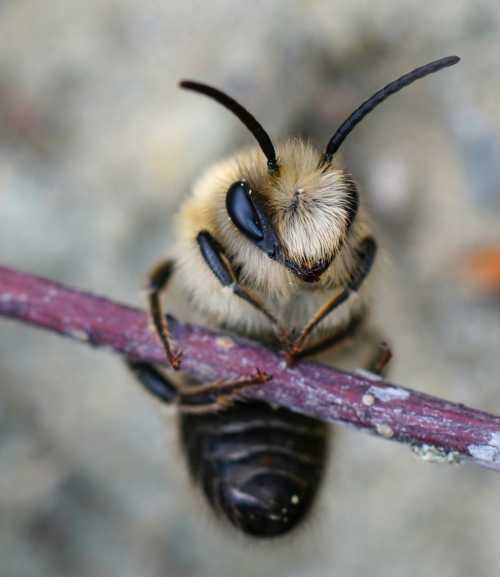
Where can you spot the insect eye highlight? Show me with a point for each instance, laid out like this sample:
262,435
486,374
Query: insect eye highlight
242,210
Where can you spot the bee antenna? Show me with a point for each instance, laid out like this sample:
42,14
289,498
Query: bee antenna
242,113
357,116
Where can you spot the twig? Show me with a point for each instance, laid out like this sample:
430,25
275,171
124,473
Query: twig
436,429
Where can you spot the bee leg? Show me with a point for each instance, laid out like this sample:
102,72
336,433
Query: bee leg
297,348
206,398
221,403
341,338
220,265
216,396
154,381
158,280
381,359
365,252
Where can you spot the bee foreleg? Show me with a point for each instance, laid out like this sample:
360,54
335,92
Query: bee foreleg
158,280
220,265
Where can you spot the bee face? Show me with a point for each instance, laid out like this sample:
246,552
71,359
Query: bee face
299,217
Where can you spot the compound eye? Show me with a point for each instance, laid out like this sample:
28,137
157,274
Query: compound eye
242,210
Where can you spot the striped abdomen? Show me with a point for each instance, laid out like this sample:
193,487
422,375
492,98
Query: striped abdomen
260,467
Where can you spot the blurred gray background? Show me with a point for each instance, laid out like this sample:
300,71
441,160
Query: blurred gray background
97,149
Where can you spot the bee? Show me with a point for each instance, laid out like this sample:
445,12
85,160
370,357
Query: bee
273,244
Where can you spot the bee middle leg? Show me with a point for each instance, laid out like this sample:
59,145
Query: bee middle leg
297,348
366,252
343,337
222,268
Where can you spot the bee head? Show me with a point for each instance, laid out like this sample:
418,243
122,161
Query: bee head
299,217
294,206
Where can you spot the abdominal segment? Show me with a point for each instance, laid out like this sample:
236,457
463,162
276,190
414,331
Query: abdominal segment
259,467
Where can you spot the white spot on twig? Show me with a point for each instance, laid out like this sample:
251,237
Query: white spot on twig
225,343
483,452
368,400
495,440
78,335
388,393
488,452
384,430
49,295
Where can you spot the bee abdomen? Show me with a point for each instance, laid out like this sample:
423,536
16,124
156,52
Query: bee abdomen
258,466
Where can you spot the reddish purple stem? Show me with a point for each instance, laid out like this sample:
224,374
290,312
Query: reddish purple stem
437,429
